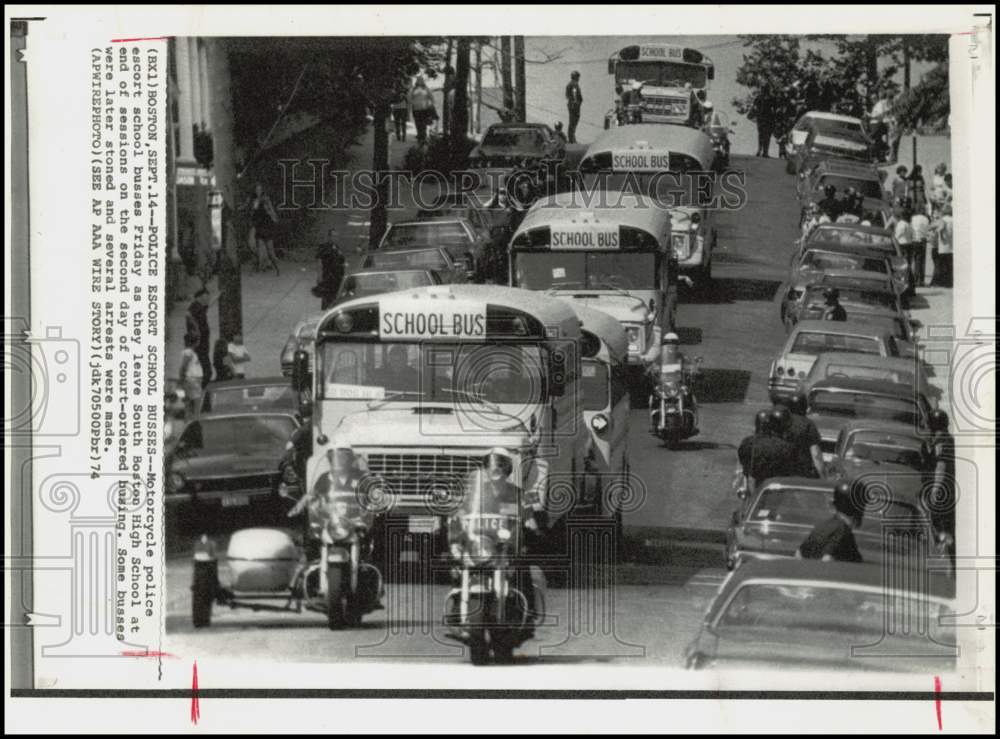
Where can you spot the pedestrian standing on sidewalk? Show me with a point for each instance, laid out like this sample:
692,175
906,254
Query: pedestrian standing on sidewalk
422,105
921,226
238,356
196,326
264,219
943,234
895,186
191,375
918,190
903,232
574,100
220,359
401,112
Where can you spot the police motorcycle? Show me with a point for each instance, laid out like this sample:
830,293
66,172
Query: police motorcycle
673,408
497,599
329,569
718,130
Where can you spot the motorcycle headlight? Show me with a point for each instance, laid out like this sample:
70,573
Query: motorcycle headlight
681,244
671,389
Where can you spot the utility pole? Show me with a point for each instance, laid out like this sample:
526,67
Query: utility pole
478,114
906,63
224,166
460,111
522,88
506,76
449,82
379,214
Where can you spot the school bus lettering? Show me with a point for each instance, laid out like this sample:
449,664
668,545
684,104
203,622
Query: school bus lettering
433,324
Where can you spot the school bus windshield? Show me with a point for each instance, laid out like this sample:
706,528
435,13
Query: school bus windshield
466,373
662,74
585,270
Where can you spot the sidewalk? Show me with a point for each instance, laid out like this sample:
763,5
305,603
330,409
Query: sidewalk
273,304
932,310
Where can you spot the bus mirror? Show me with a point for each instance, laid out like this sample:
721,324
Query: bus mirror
611,66
300,371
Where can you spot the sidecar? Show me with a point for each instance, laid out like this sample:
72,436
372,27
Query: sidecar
260,568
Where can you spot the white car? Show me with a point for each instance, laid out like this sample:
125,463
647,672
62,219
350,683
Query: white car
829,123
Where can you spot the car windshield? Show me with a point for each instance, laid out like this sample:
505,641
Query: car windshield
850,237
243,434
872,298
585,270
833,127
884,448
864,405
516,139
799,610
432,372
814,342
429,233
357,286
448,211
869,372
815,259
868,188
595,385
663,74
423,258
249,397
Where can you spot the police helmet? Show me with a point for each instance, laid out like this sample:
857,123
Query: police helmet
938,420
762,422
831,294
797,404
500,458
844,502
779,419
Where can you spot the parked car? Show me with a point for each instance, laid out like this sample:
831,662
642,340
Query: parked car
492,224
825,123
228,460
510,145
805,300
895,451
810,339
249,395
772,522
865,239
905,371
302,337
810,615
814,261
435,259
841,144
463,242
841,175
835,402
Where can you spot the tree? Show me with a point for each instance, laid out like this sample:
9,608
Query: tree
460,111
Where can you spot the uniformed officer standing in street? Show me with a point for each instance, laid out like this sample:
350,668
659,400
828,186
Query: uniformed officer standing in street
574,100
833,540
766,454
332,263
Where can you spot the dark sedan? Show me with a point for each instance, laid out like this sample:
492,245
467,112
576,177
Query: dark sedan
228,460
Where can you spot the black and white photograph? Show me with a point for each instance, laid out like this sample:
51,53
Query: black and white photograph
547,363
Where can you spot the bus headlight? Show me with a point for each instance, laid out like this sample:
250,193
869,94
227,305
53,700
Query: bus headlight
634,337
681,244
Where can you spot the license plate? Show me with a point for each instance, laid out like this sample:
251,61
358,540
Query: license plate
423,524
235,501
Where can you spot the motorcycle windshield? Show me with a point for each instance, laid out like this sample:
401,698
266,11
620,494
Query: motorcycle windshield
489,519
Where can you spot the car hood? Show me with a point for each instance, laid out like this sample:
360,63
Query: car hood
439,425
621,308
251,462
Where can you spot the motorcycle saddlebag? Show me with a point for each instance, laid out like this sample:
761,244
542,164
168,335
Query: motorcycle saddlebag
261,560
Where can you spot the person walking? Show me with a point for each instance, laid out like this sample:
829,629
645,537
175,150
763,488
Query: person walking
803,435
401,112
238,356
196,326
574,100
264,222
422,105
763,114
220,359
766,454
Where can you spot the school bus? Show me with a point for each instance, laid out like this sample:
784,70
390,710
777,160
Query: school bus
422,383
609,250
606,407
673,165
669,78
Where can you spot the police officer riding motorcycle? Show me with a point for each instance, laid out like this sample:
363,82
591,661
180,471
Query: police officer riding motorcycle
673,408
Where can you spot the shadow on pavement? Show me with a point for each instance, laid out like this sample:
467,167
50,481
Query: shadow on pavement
722,386
731,290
